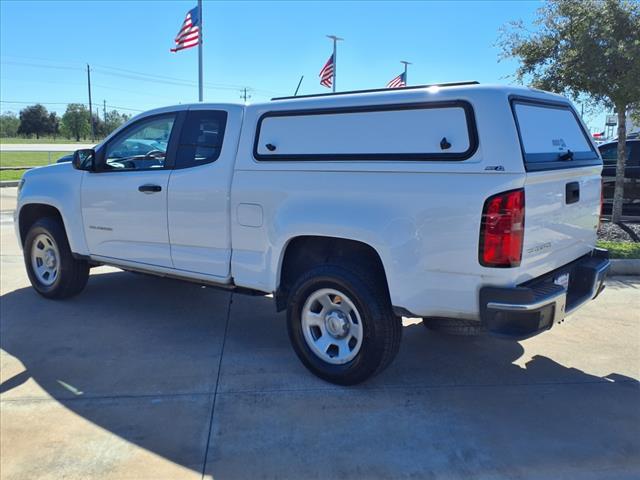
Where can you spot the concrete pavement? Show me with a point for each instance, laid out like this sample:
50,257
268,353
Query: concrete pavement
142,377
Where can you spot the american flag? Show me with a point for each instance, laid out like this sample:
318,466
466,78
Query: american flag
398,82
326,74
189,34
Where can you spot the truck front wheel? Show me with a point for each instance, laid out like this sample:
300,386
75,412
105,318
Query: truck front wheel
52,270
341,324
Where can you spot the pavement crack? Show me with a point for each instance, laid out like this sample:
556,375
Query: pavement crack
215,392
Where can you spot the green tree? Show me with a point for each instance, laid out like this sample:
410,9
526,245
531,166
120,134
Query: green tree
584,47
9,124
113,120
75,121
98,125
53,125
34,120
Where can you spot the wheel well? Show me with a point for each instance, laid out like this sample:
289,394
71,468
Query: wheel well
305,252
31,213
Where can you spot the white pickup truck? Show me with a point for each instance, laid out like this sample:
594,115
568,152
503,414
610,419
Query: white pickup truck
472,206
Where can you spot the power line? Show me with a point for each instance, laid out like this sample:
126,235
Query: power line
142,76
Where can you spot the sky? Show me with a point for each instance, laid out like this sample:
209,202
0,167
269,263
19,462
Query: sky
263,46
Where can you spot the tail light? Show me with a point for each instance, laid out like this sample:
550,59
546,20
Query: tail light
502,230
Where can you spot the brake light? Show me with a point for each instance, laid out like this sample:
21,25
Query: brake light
502,230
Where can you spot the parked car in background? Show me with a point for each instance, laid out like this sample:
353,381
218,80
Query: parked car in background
631,202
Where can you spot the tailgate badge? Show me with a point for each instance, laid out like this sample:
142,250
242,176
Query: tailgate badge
562,280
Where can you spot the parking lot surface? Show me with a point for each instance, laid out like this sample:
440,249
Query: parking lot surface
143,377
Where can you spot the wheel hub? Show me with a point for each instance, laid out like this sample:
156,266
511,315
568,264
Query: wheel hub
44,259
332,326
337,323
50,258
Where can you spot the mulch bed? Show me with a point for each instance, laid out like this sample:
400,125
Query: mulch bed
628,232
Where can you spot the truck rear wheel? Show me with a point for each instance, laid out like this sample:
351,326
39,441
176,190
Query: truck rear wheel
341,324
51,268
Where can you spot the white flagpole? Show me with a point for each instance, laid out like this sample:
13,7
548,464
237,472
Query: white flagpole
335,62
200,90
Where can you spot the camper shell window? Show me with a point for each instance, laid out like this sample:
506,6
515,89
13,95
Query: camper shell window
442,131
551,136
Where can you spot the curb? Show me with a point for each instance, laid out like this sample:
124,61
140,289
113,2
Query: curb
9,183
625,266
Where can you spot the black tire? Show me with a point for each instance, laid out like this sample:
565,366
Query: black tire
452,326
72,273
382,330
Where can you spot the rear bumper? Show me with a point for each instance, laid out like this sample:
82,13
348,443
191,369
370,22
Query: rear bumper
535,306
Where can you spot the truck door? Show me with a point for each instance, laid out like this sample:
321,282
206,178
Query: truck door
198,194
124,201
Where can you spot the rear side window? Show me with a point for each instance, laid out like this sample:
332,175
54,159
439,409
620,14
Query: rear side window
424,131
551,136
201,138
634,154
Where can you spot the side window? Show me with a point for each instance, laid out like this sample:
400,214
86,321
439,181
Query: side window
141,147
609,154
634,154
201,138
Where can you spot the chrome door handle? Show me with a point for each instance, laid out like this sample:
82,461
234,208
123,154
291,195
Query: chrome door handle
149,188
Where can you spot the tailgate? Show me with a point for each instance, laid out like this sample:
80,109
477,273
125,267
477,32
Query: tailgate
562,213
562,186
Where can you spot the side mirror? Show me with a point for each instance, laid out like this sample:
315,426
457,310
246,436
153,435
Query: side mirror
84,159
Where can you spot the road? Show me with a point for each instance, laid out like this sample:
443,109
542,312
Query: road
148,378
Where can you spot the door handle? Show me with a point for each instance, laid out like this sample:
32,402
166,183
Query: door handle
572,192
149,188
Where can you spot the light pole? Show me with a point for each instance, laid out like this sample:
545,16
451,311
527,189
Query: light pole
335,58
406,82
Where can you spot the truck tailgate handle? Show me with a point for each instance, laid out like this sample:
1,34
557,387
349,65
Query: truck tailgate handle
572,193
149,188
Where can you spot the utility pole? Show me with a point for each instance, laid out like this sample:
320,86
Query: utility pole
406,82
200,89
104,110
93,135
335,57
244,95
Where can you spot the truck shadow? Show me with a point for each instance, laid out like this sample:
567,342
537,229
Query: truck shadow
111,353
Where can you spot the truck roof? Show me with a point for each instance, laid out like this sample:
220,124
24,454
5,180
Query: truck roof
375,95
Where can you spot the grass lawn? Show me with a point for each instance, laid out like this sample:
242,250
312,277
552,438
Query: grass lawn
28,159
43,140
621,249
11,175
25,159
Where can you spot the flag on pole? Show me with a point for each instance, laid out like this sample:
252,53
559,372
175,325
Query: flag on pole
326,74
398,82
189,34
